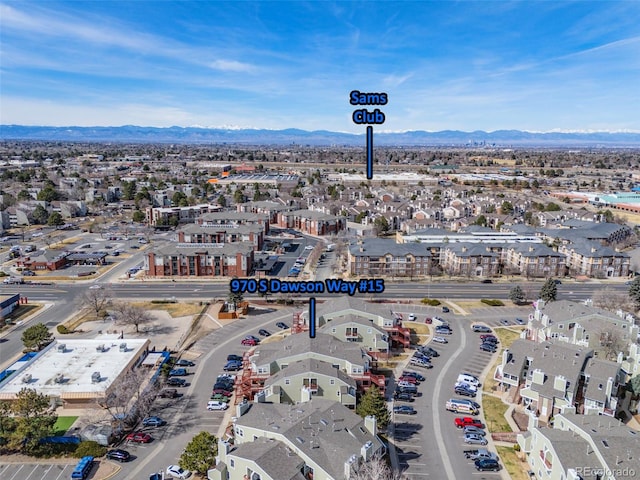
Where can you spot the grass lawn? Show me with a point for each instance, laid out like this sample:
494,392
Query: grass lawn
494,411
517,469
63,424
506,336
174,309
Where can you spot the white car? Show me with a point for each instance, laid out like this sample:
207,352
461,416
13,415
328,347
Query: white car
215,405
412,317
440,340
175,471
95,287
309,247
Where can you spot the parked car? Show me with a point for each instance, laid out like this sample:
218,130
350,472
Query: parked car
232,366
403,397
237,358
418,362
264,333
416,375
184,363
445,310
443,331
222,391
178,372
489,338
176,471
216,405
426,350
249,341
139,437
475,430
486,464
282,325
412,317
520,321
474,439
176,382
28,273
488,347
464,391
153,422
412,389
168,393
119,455
440,340
480,328
404,410
408,379
461,422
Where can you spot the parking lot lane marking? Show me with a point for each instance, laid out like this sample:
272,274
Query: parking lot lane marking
18,471
34,469
61,472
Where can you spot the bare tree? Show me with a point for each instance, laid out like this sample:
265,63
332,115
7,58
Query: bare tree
131,397
129,314
375,469
607,299
96,300
611,342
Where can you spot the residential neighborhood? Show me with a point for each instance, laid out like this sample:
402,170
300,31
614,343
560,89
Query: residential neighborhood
325,392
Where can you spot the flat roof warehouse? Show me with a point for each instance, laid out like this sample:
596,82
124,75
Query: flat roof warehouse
67,369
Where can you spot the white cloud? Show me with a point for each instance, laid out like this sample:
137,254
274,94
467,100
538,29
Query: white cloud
232,66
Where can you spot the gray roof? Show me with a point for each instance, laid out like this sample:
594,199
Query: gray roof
571,450
595,250
345,303
535,250
273,457
618,444
553,359
309,365
321,347
599,371
313,214
351,318
233,216
563,310
464,249
321,429
378,247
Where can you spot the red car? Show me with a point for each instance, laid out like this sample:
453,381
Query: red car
249,341
408,378
462,422
139,437
489,336
220,391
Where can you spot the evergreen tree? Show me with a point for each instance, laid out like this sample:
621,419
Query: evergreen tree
34,419
200,453
36,337
516,294
549,291
373,403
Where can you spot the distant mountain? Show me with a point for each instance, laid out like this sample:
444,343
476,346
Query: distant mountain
200,135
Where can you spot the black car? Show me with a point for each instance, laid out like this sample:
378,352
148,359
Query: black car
185,363
223,386
429,351
412,390
176,382
445,310
119,455
487,464
465,392
403,397
264,333
168,393
488,347
232,366
233,357
404,410
282,325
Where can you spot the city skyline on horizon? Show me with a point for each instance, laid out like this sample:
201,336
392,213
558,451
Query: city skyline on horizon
567,67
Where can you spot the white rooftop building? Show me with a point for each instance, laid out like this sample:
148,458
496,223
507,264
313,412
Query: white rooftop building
76,371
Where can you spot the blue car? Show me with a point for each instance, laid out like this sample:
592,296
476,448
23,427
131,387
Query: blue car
153,422
178,372
233,366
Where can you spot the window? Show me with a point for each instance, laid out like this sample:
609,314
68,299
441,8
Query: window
232,463
287,381
332,381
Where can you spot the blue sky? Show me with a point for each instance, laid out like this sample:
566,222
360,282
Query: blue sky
536,66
